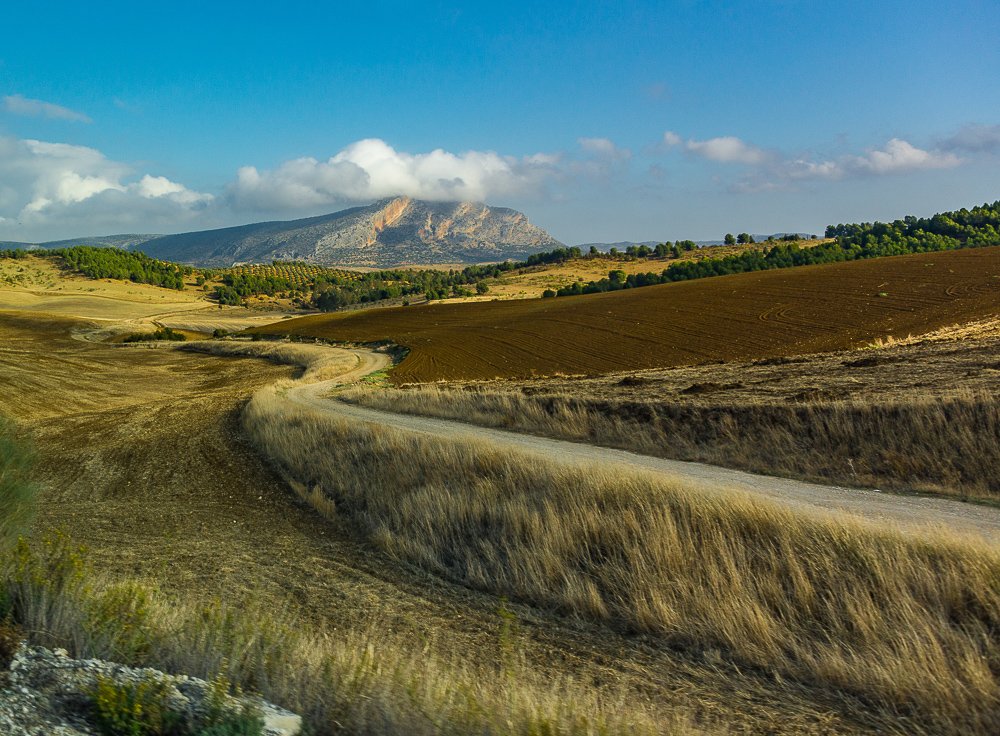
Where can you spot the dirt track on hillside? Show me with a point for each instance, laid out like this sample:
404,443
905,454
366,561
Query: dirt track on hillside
913,513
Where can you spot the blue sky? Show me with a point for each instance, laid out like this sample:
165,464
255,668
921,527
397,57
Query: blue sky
602,121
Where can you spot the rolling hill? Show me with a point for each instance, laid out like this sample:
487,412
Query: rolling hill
392,232
748,316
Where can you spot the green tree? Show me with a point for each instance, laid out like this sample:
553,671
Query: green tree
729,239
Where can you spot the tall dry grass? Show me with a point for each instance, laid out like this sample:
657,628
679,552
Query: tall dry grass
948,445
359,681
908,626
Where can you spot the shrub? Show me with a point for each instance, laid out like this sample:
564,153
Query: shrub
134,708
143,708
219,719
163,333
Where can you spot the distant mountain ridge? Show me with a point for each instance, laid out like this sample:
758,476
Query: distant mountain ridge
392,232
126,242
132,241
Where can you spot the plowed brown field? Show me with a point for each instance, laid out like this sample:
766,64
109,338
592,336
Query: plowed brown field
743,317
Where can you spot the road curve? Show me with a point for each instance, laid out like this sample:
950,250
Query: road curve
908,512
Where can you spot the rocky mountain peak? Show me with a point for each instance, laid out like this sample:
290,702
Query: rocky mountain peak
398,231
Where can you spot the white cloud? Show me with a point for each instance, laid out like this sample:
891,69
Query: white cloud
604,148
899,155
771,170
153,187
19,105
804,169
896,156
725,149
372,169
56,189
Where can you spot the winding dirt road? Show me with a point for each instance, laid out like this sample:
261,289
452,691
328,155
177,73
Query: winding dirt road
913,513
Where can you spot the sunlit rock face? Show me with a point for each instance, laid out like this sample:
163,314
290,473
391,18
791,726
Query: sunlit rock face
393,232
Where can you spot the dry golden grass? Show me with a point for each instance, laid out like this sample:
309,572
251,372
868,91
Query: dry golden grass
382,647
356,680
941,444
141,459
144,481
39,285
907,626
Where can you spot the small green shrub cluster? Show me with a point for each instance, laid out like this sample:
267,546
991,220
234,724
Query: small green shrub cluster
163,333
134,709
143,708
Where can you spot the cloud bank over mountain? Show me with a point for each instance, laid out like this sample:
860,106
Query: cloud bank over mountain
372,169
51,190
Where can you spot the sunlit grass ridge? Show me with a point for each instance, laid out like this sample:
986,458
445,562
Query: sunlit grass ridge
907,624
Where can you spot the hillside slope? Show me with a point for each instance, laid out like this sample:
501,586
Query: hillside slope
750,316
391,232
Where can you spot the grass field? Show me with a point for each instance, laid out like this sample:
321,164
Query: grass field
141,458
365,680
905,625
39,286
744,317
637,606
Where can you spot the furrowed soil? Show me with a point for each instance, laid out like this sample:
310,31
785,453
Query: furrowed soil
744,317
142,460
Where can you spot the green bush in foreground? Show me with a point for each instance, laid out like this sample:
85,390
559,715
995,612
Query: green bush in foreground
143,708
134,709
